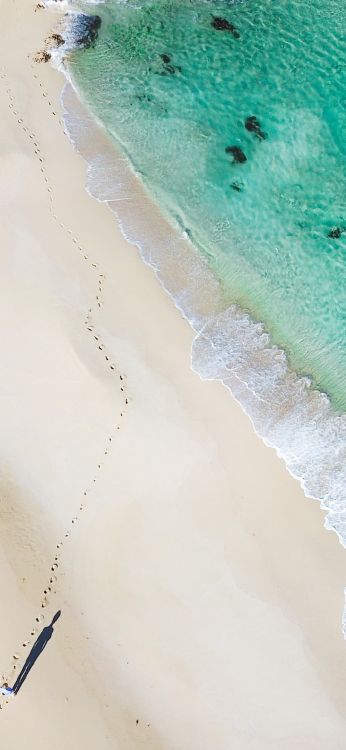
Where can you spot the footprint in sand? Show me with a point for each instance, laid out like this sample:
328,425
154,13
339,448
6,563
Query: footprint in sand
53,579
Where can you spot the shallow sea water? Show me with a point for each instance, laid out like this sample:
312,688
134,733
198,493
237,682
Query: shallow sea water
264,223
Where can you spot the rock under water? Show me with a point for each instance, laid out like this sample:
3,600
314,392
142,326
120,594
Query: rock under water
86,29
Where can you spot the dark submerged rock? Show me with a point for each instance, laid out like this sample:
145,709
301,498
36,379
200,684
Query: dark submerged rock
86,29
253,125
237,153
336,232
165,58
169,68
238,186
144,98
221,24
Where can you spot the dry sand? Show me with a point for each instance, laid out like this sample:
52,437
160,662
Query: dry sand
201,597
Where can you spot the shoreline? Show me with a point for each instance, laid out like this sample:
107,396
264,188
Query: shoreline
303,415
185,563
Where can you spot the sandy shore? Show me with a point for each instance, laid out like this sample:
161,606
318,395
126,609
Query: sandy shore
201,597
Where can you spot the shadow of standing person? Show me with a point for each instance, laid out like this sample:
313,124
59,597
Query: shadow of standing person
35,652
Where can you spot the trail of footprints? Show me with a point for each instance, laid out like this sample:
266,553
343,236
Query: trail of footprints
50,588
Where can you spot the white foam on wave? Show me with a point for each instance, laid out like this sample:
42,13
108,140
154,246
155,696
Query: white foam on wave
285,410
70,4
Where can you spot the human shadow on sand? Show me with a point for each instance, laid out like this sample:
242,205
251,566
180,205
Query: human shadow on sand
35,652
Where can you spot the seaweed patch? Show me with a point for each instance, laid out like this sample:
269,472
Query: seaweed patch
221,24
85,30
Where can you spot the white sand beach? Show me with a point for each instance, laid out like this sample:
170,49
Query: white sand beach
201,597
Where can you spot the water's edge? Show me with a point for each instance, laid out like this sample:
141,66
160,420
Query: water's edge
285,411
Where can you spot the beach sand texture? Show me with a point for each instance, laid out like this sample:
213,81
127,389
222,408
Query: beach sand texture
201,596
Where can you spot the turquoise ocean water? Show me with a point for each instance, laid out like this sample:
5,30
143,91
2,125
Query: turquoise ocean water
174,83
267,240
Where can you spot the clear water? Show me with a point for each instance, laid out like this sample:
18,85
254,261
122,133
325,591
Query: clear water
268,242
